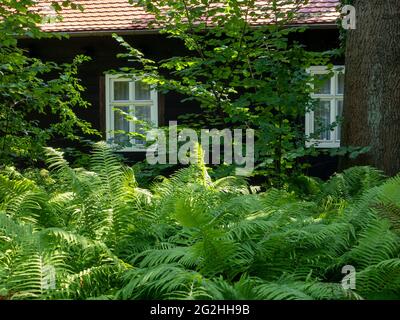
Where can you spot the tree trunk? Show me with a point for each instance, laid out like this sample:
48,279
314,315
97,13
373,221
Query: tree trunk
372,85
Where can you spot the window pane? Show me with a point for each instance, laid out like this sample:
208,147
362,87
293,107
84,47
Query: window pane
325,86
340,85
339,115
121,90
322,120
142,113
120,123
142,91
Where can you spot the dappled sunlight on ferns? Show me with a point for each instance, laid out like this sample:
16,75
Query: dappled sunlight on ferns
188,237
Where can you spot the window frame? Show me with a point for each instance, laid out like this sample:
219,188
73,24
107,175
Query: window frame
110,104
334,97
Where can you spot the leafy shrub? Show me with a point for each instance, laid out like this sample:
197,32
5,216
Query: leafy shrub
31,88
242,76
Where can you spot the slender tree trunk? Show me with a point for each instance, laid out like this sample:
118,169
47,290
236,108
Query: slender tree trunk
372,85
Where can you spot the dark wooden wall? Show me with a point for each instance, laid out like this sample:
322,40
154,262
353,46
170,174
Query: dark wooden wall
104,49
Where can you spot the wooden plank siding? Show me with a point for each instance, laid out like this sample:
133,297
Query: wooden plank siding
104,49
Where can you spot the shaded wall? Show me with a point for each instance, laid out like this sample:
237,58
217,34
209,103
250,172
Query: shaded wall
104,49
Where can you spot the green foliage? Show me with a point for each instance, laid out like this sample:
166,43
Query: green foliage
95,234
37,99
243,73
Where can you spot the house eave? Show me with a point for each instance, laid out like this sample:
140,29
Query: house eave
122,32
101,33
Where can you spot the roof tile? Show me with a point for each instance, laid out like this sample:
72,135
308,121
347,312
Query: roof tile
119,15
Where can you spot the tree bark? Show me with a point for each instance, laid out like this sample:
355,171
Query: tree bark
372,85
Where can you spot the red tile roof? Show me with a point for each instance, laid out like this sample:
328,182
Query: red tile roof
119,15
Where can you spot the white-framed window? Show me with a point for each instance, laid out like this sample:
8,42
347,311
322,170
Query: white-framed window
329,108
135,99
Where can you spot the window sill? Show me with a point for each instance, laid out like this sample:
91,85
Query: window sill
323,144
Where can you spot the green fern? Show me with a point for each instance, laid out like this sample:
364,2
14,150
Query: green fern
95,234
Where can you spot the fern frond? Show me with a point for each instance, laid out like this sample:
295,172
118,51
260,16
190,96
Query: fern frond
375,244
160,282
380,278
